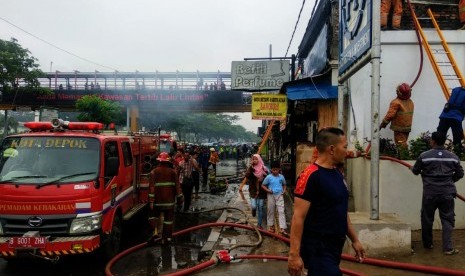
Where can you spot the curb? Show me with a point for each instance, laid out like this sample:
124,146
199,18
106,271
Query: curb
215,236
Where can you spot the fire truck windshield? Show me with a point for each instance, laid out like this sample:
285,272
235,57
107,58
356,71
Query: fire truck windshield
36,160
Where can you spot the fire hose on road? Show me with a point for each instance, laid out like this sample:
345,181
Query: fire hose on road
224,257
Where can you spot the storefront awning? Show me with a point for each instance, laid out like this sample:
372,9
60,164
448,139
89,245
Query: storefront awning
310,88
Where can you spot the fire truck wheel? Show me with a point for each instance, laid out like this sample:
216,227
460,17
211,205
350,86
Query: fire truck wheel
112,245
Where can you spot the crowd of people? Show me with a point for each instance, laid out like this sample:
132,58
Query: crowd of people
320,222
179,176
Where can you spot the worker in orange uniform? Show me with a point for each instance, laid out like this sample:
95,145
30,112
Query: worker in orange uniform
400,115
164,189
214,158
462,14
386,6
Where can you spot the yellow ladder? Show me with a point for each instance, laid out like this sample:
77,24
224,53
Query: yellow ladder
441,58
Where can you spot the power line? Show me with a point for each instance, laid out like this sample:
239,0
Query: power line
295,28
59,48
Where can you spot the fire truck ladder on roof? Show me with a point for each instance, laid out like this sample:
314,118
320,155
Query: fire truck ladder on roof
441,58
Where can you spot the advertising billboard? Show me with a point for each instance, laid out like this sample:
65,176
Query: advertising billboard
259,75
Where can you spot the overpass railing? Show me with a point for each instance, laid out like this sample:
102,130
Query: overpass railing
136,80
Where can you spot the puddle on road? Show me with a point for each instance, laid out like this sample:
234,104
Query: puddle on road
185,250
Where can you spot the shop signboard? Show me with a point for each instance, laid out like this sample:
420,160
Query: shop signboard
269,106
259,75
355,32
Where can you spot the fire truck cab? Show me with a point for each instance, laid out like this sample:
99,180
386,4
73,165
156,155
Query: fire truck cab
167,143
65,188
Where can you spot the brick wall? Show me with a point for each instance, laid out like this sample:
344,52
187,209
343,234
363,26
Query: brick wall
445,15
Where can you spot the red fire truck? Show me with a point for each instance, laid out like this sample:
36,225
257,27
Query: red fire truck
65,188
167,143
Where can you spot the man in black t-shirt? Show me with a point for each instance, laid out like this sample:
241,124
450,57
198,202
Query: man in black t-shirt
320,222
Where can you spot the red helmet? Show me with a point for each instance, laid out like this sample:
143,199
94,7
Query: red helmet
163,157
404,91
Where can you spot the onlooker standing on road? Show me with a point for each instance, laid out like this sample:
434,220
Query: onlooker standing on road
320,222
204,156
185,178
439,169
195,174
255,174
275,186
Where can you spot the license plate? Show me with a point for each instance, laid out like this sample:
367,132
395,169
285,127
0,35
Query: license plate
27,242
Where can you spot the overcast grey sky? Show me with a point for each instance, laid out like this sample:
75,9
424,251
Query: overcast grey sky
149,35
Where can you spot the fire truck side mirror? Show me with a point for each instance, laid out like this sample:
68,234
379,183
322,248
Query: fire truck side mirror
111,167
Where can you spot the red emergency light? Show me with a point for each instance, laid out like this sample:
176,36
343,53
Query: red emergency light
55,124
85,126
36,126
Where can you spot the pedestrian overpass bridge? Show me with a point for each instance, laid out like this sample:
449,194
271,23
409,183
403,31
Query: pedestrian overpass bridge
144,91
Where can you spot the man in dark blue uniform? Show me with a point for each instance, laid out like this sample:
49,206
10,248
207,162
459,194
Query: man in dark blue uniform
452,117
439,169
320,222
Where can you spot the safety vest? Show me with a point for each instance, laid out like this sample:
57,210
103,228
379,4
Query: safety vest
10,152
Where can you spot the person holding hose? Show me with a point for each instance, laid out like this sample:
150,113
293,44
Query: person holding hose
400,115
320,223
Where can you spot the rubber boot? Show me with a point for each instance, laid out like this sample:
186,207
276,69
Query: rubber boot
384,21
396,22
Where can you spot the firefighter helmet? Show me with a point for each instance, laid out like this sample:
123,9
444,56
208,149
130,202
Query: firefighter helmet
163,157
212,149
404,91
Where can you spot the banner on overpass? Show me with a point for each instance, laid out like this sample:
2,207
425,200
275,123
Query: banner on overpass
269,106
259,75
164,100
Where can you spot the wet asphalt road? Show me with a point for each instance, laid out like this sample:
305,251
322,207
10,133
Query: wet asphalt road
145,262
185,251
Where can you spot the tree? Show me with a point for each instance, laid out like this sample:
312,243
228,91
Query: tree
198,126
17,64
96,109
12,124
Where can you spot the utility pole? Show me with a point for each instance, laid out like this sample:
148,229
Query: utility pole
375,88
